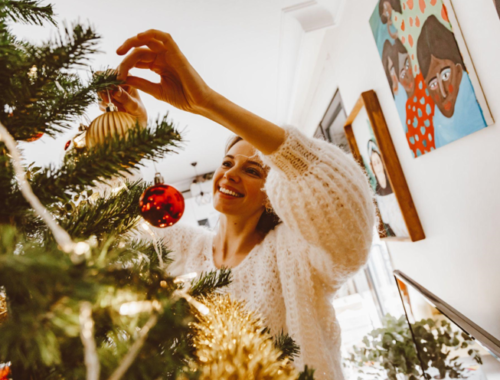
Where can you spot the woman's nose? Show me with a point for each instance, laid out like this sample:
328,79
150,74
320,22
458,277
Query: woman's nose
232,175
442,89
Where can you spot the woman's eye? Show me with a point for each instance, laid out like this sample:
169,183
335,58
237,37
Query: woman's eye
253,171
446,74
433,84
227,164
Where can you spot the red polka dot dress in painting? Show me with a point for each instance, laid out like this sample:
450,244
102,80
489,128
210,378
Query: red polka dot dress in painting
409,23
419,119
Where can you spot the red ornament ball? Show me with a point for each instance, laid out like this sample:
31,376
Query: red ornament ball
161,205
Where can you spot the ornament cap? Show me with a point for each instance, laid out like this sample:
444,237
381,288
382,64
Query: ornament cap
111,108
158,178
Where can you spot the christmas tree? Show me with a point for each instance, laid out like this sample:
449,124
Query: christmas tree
80,295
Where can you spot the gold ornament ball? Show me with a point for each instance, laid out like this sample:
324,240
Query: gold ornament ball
108,125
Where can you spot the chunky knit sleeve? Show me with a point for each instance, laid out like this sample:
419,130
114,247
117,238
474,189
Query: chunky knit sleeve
322,194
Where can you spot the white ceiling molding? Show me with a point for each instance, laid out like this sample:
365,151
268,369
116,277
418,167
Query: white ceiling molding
311,15
302,30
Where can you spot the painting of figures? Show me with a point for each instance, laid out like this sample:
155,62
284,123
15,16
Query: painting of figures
424,65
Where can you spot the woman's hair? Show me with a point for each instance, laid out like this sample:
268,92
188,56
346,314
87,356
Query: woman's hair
269,219
395,4
386,54
372,148
437,40
399,48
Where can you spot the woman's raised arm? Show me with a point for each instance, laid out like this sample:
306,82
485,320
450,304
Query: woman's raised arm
181,86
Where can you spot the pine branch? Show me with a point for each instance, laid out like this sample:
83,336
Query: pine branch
27,11
307,374
209,282
57,106
110,214
143,254
287,345
103,162
42,96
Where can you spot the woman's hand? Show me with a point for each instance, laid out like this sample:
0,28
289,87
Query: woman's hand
126,99
180,85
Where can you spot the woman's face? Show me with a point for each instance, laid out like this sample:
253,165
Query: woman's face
239,182
388,11
394,76
443,81
378,169
406,77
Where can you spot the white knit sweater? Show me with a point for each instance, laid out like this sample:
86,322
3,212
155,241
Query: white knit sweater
324,200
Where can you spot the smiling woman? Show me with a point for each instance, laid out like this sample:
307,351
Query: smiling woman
288,272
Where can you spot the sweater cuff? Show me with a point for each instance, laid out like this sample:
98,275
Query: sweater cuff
294,156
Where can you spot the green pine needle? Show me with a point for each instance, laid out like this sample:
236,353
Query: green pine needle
210,282
115,158
307,374
27,11
109,214
286,345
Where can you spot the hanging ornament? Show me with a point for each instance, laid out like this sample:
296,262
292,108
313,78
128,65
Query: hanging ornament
78,141
108,125
161,205
35,137
5,371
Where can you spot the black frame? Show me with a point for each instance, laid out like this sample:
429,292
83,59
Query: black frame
327,119
487,340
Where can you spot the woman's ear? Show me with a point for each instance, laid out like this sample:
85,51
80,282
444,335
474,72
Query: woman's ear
460,72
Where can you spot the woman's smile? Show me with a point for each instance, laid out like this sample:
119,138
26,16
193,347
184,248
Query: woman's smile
229,192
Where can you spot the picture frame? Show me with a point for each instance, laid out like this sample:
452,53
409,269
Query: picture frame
371,145
333,121
320,134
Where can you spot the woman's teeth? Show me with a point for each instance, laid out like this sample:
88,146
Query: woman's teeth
229,192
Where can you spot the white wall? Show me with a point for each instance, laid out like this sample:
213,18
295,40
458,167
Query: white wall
456,189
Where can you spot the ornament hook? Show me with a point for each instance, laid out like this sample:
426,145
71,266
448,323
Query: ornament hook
110,107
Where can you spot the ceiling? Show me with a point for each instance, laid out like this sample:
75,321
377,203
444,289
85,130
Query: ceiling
234,44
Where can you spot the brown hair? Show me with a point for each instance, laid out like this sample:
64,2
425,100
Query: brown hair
268,220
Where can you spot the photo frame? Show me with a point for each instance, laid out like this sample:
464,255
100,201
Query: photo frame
333,122
320,134
371,145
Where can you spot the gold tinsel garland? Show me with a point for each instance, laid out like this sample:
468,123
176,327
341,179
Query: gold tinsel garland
3,306
230,344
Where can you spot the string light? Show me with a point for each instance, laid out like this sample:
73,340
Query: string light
136,307
87,336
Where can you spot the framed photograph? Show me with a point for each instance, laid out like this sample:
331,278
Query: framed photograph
436,89
333,122
497,6
371,144
320,134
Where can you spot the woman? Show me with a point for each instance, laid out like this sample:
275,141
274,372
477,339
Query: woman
390,213
288,273
419,112
458,113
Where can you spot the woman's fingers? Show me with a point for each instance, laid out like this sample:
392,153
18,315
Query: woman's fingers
150,36
142,56
144,85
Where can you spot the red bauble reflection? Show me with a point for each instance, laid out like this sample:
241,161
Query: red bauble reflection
34,137
161,205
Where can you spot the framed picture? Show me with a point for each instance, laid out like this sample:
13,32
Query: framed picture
320,133
333,122
497,6
436,89
371,144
